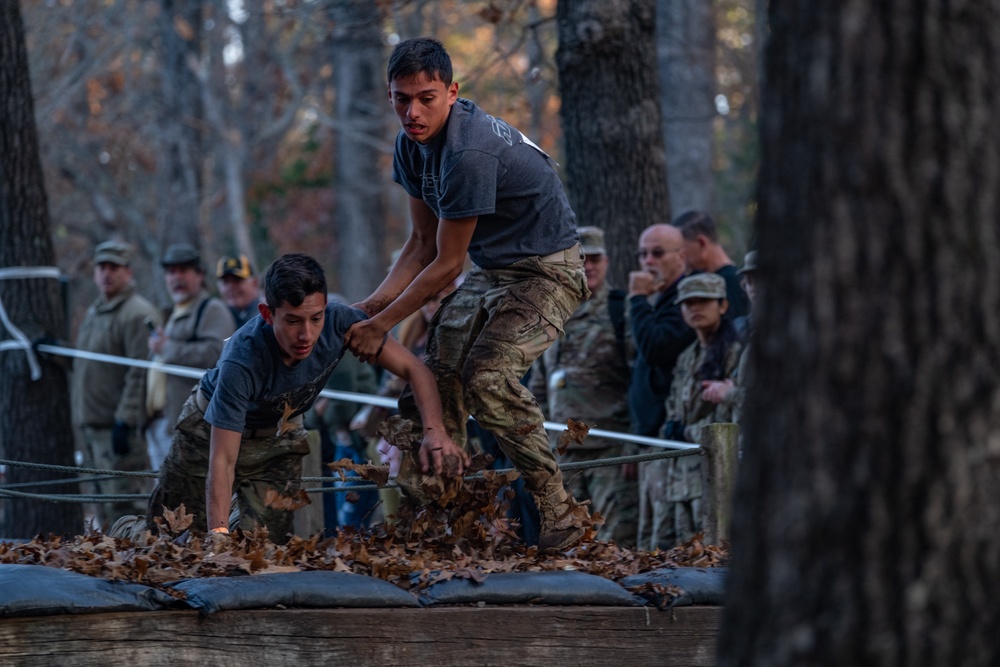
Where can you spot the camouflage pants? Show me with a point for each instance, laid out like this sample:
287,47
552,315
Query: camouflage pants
483,340
669,502
264,462
616,498
99,453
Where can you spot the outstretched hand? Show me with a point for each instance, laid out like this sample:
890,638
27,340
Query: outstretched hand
365,341
441,454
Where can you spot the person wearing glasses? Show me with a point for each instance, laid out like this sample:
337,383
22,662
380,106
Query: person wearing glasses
658,336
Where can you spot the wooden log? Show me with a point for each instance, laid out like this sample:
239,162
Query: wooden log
721,445
446,637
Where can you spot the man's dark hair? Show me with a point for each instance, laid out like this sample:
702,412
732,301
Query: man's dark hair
291,278
694,223
420,54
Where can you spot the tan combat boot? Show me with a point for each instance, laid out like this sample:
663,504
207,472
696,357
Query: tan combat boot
564,520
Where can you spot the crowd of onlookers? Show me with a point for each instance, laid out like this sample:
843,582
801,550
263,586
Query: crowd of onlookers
662,358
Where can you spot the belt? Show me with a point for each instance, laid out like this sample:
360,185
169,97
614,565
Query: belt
571,254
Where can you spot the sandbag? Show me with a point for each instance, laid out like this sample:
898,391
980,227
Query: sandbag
698,585
37,590
554,588
292,589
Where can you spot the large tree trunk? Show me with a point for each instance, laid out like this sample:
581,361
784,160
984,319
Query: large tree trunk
616,171
34,414
180,123
866,513
686,47
356,53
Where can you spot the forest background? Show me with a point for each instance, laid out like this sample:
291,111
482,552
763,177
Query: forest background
263,127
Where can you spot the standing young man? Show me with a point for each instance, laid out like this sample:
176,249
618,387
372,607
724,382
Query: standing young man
478,186
241,430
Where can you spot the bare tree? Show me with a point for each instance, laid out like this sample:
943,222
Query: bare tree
34,419
615,160
869,491
361,100
180,122
686,48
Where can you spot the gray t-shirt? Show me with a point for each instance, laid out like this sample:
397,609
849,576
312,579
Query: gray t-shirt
251,387
479,165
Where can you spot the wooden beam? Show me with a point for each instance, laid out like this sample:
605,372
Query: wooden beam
446,637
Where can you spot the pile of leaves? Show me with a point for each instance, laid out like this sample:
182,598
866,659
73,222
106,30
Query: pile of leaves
461,529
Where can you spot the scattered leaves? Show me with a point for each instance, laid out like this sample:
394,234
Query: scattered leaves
466,536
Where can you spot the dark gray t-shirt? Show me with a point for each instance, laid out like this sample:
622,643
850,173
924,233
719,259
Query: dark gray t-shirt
479,165
251,387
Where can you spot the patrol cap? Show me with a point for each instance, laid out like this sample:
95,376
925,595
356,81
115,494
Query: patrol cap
701,286
234,266
749,262
592,240
115,252
181,253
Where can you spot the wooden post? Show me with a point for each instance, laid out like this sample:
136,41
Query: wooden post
721,445
309,520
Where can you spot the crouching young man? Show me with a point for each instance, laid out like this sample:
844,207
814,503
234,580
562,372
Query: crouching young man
241,429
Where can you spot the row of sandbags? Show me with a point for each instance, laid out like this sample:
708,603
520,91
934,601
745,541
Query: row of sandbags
36,590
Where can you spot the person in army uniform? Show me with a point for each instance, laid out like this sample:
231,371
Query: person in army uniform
109,399
479,188
240,431
584,376
714,356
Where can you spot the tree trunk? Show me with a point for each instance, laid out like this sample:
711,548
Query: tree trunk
34,414
181,123
866,512
686,50
359,66
616,172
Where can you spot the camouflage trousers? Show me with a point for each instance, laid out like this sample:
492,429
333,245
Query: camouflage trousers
99,453
670,493
484,339
616,498
265,462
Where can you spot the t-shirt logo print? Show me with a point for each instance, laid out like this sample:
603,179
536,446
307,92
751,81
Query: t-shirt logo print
501,129
429,189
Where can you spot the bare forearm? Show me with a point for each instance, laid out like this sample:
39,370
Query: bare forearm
430,281
221,472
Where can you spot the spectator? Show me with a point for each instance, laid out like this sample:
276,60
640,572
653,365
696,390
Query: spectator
714,356
659,334
732,391
109,399
194,335
584,376
241,431
704,253
238,287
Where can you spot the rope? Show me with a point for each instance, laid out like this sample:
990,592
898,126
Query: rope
78,497
20,340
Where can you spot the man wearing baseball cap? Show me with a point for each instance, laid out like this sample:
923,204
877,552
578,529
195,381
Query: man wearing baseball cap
109,399
238,287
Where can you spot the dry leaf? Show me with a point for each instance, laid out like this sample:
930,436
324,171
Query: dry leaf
575,432
278,501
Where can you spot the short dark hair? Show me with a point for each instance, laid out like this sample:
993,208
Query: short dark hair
291,278
694,223
420,54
